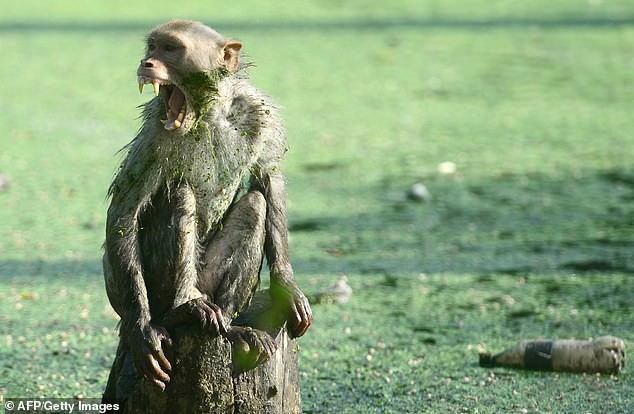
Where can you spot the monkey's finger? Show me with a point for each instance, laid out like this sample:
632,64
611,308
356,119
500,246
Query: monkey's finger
301,310
213,319
252,339
308,309
145,365
156,370
156,382
142,361
296,315
214,323
297,326
205,314
271,346
266,352
162,360
300,329
221,321
307,315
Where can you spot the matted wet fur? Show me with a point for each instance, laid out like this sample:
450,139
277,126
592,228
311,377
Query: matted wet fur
178,204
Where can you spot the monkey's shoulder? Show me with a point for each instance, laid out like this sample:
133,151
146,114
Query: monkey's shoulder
240,101
245,110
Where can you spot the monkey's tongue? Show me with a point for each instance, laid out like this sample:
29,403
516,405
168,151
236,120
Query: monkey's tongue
176,108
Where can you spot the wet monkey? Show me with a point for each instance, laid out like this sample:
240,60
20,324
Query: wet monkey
198,202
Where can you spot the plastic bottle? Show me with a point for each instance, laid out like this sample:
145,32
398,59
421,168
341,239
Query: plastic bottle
605,354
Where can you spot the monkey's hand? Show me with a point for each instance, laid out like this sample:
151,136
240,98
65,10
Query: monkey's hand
300,314
146,349
199,310
250,347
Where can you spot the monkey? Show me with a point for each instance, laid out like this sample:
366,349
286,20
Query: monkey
197,204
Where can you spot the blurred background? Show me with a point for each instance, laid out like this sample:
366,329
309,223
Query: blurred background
465,166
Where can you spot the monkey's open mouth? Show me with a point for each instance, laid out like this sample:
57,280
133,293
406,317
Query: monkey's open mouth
173,97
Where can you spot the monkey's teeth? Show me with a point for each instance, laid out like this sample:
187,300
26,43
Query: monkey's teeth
140,87
172,125
175,124
181,117
156,85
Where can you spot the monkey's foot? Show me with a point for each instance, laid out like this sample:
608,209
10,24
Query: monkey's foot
250,347
200,310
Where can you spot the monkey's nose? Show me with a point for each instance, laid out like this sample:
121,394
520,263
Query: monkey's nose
146,63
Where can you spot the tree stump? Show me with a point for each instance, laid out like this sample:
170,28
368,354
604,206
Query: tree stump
206,379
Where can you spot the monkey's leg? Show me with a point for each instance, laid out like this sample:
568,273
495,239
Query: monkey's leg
233,257
233,260
191,305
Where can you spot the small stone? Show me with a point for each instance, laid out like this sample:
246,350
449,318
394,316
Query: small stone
419,192
447,168
4,182
338,292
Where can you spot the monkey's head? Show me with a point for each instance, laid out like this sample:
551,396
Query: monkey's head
184,61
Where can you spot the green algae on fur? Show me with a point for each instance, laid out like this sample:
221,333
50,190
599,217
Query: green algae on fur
202,89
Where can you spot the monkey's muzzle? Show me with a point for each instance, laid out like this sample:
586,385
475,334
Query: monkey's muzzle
173,98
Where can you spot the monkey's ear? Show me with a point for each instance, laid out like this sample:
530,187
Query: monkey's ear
231,55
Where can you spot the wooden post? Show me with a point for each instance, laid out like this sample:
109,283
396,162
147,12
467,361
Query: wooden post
205,379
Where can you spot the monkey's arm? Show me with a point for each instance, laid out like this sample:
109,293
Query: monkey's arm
283,285
124,278
128,294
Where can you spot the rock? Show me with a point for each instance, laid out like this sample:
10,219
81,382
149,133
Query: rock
338,292
419,192
4,182
446,168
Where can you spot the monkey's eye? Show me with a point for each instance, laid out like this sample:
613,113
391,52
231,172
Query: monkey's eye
151,47
170,47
